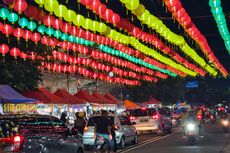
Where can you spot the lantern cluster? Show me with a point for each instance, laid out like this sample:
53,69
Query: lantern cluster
156,24
102,10
218,14
61,68
180,14
70,16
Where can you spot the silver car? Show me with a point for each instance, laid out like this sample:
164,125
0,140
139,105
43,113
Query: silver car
37,134
125,132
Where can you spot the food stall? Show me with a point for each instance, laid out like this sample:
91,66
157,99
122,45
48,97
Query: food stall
13,102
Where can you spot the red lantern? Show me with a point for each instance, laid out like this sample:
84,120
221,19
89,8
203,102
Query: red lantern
101,9
20,6
36,37
4,49
86,2
115,19
75,30
57,23
94,5
66,28
48,20
45,40
23,55
15,52
27,35
1,26
18,32
52,42
32,55
7,29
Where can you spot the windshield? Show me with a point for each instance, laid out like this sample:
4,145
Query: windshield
143,112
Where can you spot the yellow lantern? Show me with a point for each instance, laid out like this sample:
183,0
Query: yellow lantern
69,16
102,27
139,10
40,2
124,1
78,20
107,31
60,11
132,4
87,24
51,5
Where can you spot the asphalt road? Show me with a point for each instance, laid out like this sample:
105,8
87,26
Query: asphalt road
214,141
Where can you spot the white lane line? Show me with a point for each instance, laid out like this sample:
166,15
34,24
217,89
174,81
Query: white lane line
147,142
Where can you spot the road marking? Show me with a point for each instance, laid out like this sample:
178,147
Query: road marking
147,142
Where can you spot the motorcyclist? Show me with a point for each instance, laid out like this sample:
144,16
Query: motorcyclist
102,127
191,117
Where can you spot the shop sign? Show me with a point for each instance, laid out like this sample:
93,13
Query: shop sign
15,108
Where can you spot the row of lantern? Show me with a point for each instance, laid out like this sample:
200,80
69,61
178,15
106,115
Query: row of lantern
85,42
61,68
102,10
218,14
140,34
97,65
156,24
42,29
16,52
177,10
125,39
70,16
45,40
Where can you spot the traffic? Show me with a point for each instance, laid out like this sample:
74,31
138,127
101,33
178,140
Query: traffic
106,131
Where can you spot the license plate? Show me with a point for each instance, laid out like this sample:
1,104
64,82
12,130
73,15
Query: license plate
144,120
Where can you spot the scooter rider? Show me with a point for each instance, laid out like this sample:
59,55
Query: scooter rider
191,117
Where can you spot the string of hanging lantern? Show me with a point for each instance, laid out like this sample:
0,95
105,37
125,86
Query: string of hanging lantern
180,14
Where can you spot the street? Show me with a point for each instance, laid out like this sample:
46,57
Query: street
214,141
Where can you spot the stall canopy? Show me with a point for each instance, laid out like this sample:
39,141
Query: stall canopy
9,95
112,98
101,98
130,105
152,101
83,94
70,99
44,96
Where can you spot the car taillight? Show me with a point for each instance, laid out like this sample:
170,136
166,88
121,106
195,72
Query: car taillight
199,117
86,129
132,118
155,116
18,141
211,117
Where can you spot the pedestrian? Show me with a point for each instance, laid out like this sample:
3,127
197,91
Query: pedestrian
79,123
64,118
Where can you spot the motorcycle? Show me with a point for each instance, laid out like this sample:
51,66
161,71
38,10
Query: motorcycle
201,119
225,124
102,145
213,119
191,132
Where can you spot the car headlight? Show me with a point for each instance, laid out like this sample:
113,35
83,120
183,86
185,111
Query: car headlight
191,126
225,122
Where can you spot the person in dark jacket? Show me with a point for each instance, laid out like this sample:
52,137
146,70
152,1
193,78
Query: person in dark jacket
79,123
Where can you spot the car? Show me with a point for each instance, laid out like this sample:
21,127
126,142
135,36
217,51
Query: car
151,119
125,132
35,134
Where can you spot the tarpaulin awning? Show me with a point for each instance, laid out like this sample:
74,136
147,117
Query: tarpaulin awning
112,98
9,95
152,101
83,94
130,105
44,96
70,99
101,98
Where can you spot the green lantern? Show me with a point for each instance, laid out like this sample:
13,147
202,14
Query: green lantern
64,36
32,25
4,13
23,22
57,34
71,38
76,40
49,31
41,29
12,17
